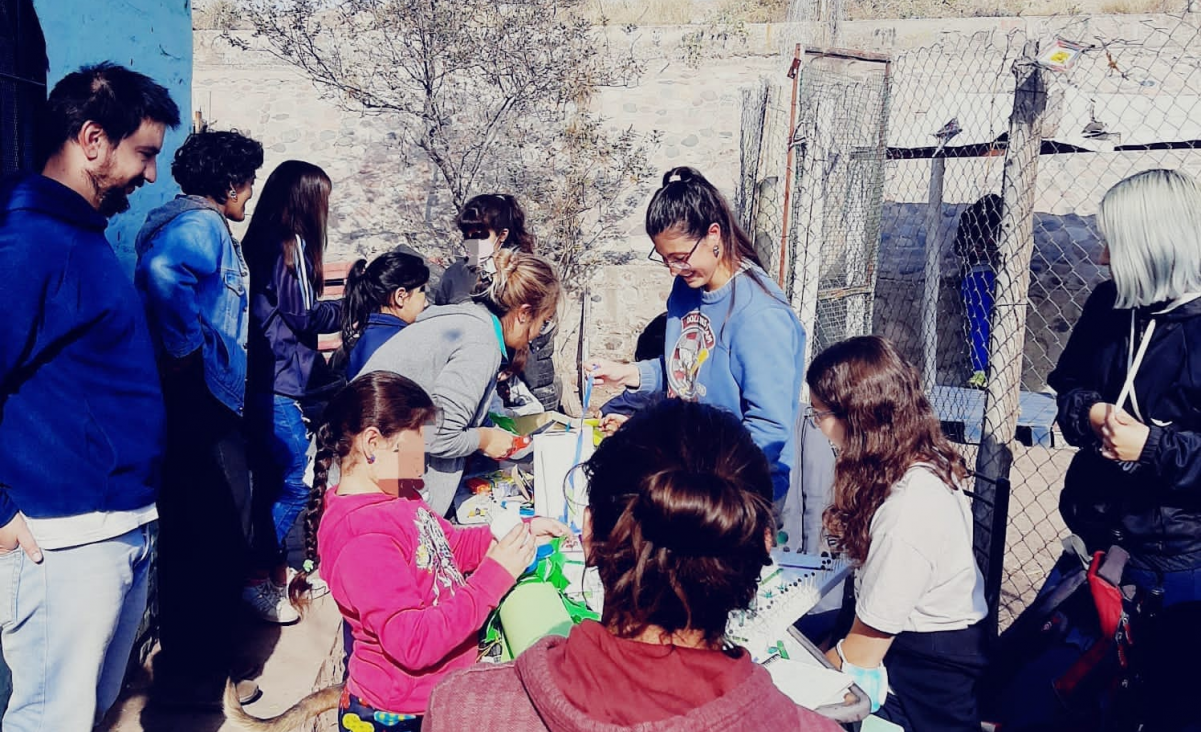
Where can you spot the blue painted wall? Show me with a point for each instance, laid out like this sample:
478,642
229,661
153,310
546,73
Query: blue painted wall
150,36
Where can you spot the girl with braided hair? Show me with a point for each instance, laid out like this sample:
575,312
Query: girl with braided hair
414,589
678,526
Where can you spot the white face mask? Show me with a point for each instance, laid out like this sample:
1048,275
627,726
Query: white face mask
479,253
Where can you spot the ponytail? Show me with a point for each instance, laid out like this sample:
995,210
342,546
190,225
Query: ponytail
688,203
521,279
358,303
369,289
299,587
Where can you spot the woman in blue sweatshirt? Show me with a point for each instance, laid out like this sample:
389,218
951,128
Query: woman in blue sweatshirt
733,341
381,299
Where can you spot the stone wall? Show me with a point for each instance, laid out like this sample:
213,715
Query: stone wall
383,192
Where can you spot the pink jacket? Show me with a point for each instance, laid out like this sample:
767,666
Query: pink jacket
397,573
528,696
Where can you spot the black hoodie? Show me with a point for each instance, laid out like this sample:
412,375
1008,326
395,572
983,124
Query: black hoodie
1151,508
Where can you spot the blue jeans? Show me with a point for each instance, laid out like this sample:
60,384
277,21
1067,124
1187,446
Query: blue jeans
68,625
978,289
284,493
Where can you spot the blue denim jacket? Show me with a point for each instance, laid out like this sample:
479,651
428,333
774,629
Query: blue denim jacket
194,282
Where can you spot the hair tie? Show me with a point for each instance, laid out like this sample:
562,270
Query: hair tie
308,566
674,178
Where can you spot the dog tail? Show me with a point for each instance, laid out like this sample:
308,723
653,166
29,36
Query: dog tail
319,701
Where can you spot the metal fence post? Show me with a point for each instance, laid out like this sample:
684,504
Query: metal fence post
1007,341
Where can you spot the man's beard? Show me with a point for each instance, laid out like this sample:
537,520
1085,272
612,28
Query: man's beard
112,202
113,198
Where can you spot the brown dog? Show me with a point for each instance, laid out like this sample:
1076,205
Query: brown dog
302,711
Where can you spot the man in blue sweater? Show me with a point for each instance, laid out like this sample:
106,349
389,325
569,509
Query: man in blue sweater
81,409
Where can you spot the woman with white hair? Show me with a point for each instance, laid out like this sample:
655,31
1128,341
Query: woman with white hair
1129,388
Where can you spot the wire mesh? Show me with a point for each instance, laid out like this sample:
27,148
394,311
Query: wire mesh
899,220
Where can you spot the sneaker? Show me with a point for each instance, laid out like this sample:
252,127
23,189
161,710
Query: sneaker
979,380
317,586
270,603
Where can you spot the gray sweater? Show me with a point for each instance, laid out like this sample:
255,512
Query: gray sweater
453,353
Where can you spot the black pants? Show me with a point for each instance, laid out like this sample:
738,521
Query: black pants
932,680
204,518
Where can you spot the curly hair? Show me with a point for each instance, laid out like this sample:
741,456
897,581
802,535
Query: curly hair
680,507
212,164
889,426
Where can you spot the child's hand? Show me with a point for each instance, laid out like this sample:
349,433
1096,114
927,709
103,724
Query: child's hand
548,527
609,424
516,551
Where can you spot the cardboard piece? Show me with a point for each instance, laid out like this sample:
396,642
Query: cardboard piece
561,492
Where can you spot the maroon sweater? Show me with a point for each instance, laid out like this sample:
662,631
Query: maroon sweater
595,682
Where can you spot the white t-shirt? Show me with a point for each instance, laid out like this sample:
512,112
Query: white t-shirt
65,532
920,574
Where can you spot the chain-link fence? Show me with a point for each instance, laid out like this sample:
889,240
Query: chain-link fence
944,196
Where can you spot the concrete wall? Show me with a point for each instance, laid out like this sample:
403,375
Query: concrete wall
150,36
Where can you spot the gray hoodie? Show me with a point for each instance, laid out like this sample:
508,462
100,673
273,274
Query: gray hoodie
454,353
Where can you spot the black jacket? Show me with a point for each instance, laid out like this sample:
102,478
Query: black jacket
1154,509
285,319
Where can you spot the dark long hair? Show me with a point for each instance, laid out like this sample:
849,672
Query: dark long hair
689,204
496,212
381,399
294,202
369,288
890,425
681,507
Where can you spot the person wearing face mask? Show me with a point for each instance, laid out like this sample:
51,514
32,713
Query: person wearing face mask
193,279
489,223
380,300
732,341
455,353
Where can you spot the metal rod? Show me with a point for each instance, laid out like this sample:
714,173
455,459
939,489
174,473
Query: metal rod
794,72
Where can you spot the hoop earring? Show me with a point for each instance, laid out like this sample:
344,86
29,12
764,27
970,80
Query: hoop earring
233,195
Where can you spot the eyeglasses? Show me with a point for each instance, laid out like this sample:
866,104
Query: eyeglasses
817,415
676,264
